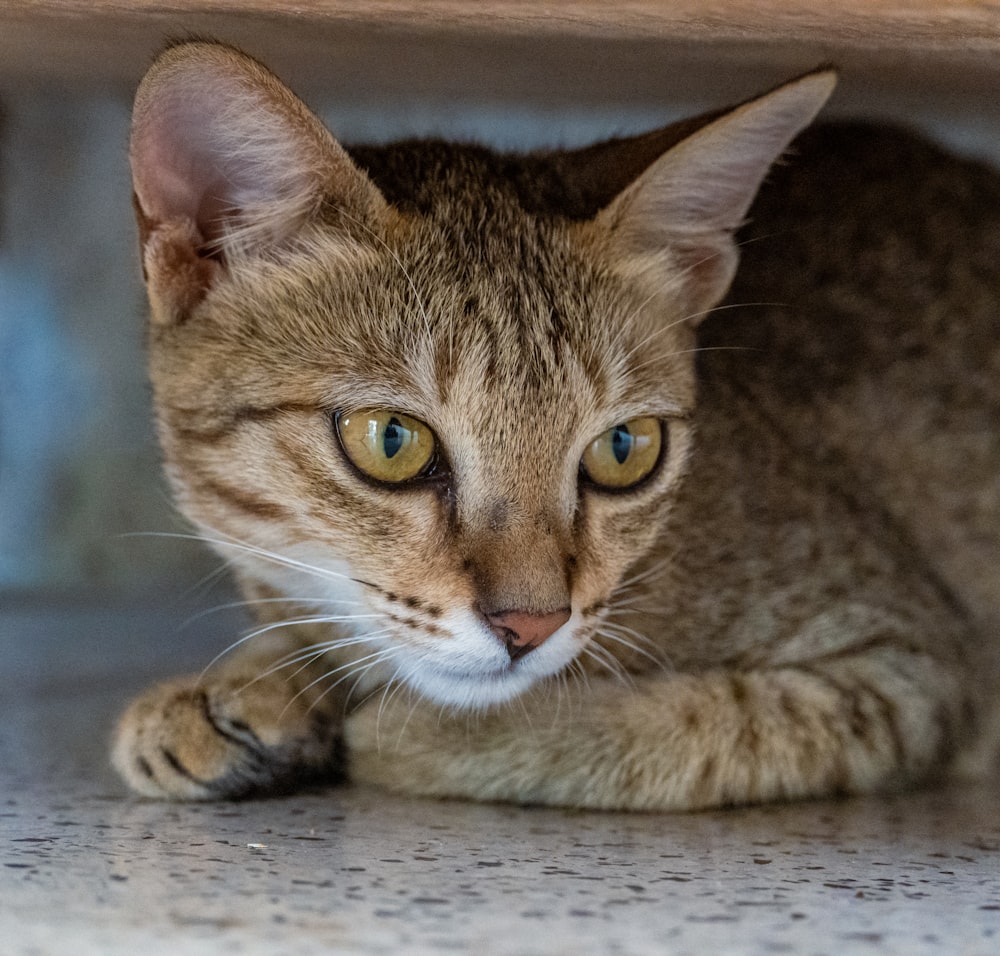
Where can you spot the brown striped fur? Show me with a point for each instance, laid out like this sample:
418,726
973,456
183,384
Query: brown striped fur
801,599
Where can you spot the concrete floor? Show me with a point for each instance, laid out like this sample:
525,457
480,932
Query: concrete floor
85,869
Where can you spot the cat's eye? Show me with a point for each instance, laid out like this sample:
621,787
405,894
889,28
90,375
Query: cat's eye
624,455
386,445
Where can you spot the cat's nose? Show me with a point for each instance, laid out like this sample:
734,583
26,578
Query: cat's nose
523,631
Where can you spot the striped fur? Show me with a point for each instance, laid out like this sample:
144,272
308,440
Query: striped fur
800,598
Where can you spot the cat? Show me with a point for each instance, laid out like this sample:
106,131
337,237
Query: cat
525,513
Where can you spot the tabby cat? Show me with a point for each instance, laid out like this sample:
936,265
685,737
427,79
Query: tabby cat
525,514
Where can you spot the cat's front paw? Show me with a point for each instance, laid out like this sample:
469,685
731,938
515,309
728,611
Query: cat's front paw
194,740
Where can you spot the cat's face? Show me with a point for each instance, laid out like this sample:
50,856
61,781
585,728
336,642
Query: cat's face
506,394
450,425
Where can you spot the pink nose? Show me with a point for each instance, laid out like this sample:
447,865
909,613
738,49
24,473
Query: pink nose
523,631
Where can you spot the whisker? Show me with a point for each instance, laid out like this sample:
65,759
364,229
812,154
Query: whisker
627,599
280,559
580,675
693,351
414,704
375,690
563,690
676,322
704,313
254,602
629,605
603,632
202,588
624,327
519,700
371,659
683,320
222,540
578,672
291,622
314,651
387,696
644,574
203,585
601,656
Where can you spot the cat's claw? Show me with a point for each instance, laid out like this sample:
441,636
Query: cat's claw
188,740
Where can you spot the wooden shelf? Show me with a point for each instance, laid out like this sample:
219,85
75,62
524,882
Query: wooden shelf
582,50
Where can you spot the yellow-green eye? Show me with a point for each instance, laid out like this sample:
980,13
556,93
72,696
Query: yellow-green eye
625,454
386,445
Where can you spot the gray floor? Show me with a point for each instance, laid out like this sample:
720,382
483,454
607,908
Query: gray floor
86,869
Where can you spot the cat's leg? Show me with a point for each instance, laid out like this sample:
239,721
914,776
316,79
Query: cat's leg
851,722
247,725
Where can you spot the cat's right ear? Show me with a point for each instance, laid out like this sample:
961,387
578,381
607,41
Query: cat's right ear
674,223
227,161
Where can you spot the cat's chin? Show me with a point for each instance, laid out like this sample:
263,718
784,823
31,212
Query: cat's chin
475,690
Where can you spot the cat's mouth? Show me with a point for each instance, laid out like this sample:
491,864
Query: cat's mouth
498,673
486,679
474,690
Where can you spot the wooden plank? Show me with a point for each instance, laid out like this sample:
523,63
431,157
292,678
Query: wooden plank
592,51
933,25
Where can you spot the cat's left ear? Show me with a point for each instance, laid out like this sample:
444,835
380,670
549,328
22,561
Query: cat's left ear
675,222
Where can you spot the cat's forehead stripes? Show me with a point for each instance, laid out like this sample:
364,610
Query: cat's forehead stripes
515,280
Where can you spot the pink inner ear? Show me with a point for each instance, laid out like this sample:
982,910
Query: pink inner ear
178,171
222,149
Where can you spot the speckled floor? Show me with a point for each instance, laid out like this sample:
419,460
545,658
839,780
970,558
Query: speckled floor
85,869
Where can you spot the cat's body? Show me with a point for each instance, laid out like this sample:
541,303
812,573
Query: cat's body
793,593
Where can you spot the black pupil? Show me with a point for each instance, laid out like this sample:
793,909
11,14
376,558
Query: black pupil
392,438
621,443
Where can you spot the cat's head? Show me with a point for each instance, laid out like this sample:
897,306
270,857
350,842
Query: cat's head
449,399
